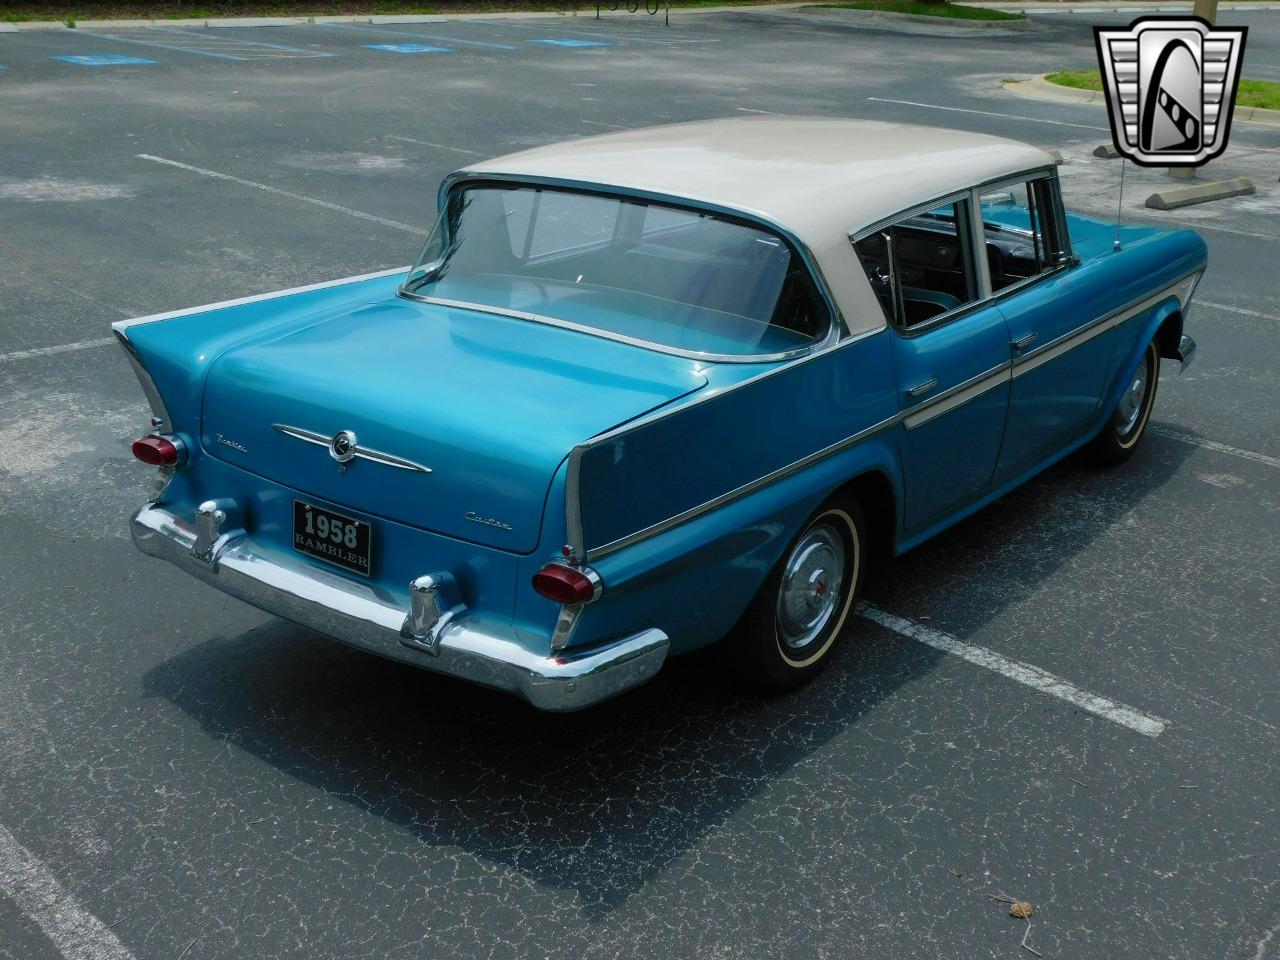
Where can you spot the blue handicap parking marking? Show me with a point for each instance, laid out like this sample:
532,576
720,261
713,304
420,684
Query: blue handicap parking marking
572,43
407,48
103,60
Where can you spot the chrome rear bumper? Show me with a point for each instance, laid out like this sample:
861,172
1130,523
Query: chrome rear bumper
450,642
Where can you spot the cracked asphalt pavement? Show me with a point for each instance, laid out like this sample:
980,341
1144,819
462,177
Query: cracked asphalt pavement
179,772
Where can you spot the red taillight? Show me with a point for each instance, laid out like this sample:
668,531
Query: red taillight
564,584
157,450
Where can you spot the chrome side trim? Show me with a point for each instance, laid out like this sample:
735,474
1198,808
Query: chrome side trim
355,613
911,418
149,389
617,337
956,396
573,478
737,494
363,452
121,325
1069,341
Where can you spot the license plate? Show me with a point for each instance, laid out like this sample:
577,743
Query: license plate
332,537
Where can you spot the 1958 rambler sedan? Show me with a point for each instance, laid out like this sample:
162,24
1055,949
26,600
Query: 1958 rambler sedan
644,391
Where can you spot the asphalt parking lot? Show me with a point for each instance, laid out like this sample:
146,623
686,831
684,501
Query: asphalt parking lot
185,777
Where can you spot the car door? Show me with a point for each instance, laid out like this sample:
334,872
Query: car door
950,354
1058,375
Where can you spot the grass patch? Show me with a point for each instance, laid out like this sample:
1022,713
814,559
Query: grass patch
955,11
18,11
1080,79
1252,93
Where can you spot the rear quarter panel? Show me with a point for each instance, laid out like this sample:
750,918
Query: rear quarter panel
693,578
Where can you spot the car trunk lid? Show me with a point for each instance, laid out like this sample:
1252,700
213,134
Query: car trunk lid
489,405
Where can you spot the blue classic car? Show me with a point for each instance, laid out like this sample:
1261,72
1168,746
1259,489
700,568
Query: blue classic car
644,391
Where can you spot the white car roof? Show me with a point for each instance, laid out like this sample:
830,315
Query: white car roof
818,178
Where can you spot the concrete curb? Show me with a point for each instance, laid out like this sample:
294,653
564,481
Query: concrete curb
375,18
1200,193
839,15
1054,7
1039,88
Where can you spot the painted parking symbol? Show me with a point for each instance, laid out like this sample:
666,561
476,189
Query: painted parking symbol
572,43
103,60
407,48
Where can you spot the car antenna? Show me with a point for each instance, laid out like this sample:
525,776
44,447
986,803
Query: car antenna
1119,205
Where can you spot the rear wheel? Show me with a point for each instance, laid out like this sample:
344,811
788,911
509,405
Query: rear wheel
1128,424
796,617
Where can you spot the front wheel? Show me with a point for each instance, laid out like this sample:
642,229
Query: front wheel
795,618
1120,437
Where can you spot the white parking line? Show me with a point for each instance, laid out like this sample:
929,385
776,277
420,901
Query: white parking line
552,27
360,214
1024,673
421,36
1240,310
27,882
439,146
989,113
60,348
1163,431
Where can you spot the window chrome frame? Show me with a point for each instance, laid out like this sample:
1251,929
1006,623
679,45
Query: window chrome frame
972,197
981,279
837,327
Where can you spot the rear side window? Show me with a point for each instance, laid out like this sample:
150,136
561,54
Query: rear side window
921,267
1024,235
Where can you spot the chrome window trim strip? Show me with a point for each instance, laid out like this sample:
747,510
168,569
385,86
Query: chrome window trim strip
955,196
738,493
859,233
617,337
362,452
121,325
972,197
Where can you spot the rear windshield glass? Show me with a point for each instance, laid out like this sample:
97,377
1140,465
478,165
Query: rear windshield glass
675,278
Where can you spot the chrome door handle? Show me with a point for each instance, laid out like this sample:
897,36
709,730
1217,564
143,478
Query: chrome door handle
1023,343
922,389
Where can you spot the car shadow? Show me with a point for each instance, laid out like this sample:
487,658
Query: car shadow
601,802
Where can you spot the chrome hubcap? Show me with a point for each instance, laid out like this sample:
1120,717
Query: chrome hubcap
1131,403
812,585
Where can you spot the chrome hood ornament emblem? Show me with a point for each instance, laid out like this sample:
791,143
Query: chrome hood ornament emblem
344,448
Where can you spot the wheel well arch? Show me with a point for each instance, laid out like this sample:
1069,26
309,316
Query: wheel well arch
1168,335
875,495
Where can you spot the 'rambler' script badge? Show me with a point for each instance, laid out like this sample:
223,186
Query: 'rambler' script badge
1171,86
487,521
233,444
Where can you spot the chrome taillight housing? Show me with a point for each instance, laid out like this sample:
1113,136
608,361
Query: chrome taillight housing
160,450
